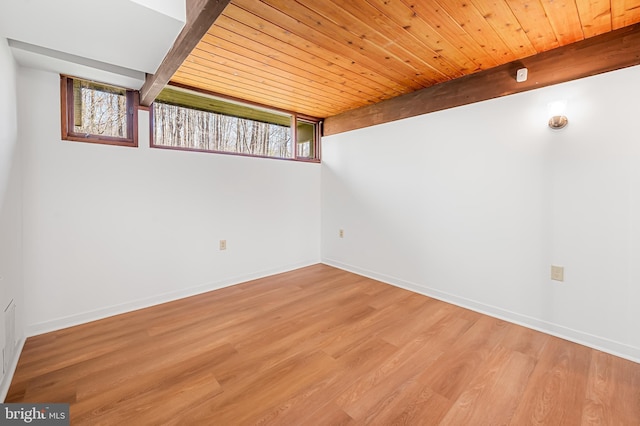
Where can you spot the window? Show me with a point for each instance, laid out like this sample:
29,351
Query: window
306,134
183,119
98,113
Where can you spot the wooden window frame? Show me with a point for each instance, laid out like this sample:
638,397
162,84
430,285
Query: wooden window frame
67,117
317,123
294,119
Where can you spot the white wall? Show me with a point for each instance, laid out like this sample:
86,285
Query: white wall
473,204
109,229
11,287
145,31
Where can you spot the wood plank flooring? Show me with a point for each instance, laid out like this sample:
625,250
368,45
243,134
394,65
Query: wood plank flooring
320,346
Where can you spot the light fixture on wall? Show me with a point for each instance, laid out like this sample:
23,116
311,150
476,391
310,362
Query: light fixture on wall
556,110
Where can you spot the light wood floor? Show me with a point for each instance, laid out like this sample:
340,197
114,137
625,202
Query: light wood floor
321,346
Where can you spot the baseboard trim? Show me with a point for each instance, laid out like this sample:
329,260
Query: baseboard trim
6,380
596,342
82,318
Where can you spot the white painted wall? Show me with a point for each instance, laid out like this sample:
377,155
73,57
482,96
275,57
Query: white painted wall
114,32
109,229
11,286
473,205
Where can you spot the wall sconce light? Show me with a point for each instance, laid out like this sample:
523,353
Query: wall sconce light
556,110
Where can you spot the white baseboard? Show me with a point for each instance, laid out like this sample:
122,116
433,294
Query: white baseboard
603,344
77,319
6,380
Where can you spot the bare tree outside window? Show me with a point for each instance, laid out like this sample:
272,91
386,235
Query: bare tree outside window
99,113
180,127
99,110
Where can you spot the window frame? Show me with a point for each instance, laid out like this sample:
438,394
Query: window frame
294,128
316,137
67,116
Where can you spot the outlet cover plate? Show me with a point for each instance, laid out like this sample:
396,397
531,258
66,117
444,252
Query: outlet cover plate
557,273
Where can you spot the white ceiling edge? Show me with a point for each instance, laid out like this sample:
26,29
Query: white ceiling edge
37,57
168,7
133,34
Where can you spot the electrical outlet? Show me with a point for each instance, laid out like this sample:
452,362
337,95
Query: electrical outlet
223,244
341,233
557,273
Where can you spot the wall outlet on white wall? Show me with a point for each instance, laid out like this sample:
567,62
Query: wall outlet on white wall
223,244
557,273
341,233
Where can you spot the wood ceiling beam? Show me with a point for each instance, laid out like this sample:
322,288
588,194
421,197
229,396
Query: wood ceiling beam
607,52
201,14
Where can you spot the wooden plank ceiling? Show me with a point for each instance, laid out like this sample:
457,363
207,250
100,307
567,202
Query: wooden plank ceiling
324,57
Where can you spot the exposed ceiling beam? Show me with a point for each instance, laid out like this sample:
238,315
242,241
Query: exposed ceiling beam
201,14
607,52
